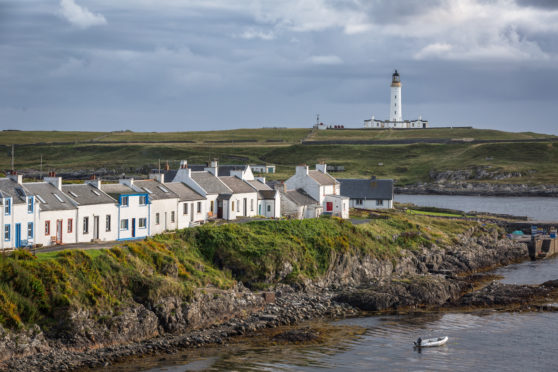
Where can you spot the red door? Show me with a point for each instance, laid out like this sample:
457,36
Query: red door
329,206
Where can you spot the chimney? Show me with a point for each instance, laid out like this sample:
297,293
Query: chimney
167,167
322,167
126,181
94,181
301,170
18,178
284,186
158,177
213,167
53,180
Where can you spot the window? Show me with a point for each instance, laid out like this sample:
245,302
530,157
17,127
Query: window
172,216
41,199
58,198
143,199
8,207
199,207
157,219
47,227
185,208
30,204
70,225
142,223
124,201
108,223
238,207
7,231
358,201
123,224
30,230
232,209
86,225
379,202
252,205
163,189
269,208
211,206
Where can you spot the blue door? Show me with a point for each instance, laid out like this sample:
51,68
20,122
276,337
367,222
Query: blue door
18,235
133,227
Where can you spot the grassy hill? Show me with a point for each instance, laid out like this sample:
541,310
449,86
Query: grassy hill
128,151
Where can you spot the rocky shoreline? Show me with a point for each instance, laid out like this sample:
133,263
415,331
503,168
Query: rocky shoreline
418,279
478,189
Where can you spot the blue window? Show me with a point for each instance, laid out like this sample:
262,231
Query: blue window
30,230
7,233
123,224
143,199
124,201
7,206
30,204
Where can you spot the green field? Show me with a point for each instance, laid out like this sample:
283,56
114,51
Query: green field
405,163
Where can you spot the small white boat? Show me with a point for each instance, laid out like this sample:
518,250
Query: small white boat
431,342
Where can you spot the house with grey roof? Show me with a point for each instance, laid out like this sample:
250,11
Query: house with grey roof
320,186
368,193
133,206
57,212
18,213
97,212
163,204
241,202
192,206
206,184
298,204
269,200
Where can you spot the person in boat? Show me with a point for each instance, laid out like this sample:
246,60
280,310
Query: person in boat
419,341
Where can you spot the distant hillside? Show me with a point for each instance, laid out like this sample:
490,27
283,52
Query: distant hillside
530,161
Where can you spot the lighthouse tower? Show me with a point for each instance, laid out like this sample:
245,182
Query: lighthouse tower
395,113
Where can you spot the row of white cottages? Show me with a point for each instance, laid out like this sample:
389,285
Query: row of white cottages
51,212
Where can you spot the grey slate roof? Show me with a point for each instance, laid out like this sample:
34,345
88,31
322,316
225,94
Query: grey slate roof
267,194
9,189
258,185
86,194
237,185
222,170
210,183
47,192
116,189
323,179
367,188
299,197
184,192
156,190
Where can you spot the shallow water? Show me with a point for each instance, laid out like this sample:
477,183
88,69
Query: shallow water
536,208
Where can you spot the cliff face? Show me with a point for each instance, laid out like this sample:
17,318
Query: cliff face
417,276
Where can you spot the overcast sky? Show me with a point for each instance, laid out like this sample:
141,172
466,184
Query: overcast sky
166,65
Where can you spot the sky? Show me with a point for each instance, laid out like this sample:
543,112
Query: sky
182,65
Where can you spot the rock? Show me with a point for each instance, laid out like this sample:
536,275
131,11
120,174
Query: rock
297,335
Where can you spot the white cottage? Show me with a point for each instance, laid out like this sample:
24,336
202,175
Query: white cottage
97,212
192,206
57,212
320,186
269,200
241,202
18,214
133,207
163,204
368,193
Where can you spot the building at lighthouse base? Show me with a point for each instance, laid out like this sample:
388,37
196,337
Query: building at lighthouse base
379,124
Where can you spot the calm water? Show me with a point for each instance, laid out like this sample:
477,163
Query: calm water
538,209
487,341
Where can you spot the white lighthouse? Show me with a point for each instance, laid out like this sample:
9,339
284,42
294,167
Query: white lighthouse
395,113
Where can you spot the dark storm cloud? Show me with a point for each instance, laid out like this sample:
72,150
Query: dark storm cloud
171,65
548,4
